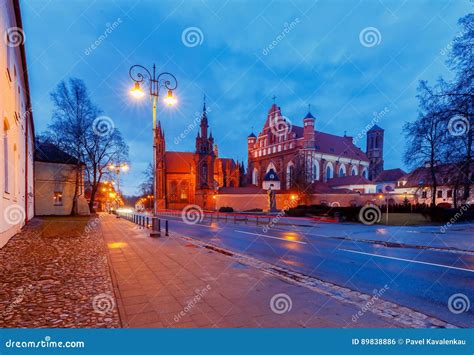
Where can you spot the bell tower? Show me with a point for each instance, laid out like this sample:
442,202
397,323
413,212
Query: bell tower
375,137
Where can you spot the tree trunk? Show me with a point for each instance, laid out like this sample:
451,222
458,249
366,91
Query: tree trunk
76,191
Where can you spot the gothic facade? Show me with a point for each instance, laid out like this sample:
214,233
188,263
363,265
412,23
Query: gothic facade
304,155
185,178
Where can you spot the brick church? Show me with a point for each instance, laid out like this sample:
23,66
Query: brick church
185,178
285,155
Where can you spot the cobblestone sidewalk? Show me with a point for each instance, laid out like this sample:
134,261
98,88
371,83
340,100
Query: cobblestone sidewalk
171,282
55,274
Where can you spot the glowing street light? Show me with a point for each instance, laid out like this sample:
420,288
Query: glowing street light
139,74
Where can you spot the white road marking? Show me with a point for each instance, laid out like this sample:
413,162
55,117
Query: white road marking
408,260
267,236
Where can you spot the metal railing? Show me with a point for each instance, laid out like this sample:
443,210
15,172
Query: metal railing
146,221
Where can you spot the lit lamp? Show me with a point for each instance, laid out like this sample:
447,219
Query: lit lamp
137,91
170,100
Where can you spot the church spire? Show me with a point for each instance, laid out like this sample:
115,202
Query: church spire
204,123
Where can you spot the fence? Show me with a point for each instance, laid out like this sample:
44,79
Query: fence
146,221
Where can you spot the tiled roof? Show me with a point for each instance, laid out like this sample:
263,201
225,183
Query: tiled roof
320,187
50,153
179,162
337,145
390,175
348,180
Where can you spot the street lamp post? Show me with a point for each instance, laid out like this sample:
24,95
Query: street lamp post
138,74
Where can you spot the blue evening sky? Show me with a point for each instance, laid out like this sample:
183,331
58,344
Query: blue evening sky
317,57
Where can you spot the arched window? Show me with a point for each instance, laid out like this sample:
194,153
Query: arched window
271,166
354,171
364,173
255,176
204,174
316,170
329,171
342,170
290,175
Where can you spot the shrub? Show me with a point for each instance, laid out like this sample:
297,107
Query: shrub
226,209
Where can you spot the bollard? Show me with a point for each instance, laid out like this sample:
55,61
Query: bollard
166,226
159,225
155,231
257,220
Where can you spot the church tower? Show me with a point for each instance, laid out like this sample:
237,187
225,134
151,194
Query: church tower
204,159
375,151
160,169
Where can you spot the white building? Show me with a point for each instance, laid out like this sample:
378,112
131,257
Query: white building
17,131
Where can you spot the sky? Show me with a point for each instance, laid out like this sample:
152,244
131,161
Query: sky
356,62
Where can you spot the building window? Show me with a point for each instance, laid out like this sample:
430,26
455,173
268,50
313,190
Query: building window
449,194
342,171
58,198
183,191
290,172
423,194
354,171
364,173
440,193
173,191
329,171
315,171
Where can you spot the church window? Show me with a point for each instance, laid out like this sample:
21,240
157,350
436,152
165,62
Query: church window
354,171
423,194
329,171
274,149
315,171
364,173
342,171
183,191
173,191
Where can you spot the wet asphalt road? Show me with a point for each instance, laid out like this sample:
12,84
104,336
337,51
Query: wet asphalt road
423,280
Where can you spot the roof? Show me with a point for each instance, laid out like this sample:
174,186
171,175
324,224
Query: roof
348,180
251,135
271,175
179,162
50,153
375,128
309,115
390,175
337,145
319,187
445,174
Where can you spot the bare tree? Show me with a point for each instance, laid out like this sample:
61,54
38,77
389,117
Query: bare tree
73,114
426,137
146,187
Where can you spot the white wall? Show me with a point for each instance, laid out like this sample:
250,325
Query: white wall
16,195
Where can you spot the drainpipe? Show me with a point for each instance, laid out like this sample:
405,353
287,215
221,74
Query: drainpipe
26,169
